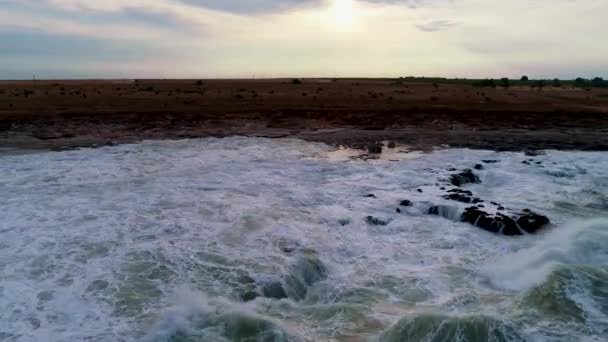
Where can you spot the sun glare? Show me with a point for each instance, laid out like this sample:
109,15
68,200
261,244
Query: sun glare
343,12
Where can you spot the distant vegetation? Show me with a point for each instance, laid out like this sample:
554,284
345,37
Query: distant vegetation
505,82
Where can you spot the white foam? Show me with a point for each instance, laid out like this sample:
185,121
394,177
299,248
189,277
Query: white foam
115,215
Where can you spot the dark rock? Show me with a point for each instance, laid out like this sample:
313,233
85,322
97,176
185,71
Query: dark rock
500,208
375,221
532,222
442,188
374,148
248,296
489,161
398,211
525,162
274,290
458,197
478,167
485,221
445,211
391,144
494,203
528,222
464,177
406,203
460,191
420,190
370,196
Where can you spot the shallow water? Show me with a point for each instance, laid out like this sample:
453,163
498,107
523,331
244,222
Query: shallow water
246,239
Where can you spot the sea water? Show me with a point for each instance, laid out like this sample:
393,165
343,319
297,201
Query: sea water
247,239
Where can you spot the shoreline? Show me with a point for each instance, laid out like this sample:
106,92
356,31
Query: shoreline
57,115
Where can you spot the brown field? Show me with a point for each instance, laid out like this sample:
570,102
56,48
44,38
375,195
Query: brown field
66,114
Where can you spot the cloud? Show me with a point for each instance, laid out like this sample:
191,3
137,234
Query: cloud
232,38
436,25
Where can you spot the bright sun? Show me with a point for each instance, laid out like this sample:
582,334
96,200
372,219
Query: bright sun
343,12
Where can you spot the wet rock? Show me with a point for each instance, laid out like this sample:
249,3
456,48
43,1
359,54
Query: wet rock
374,221
445,211
248,296
478,167
307,271
528,222
532,222
406,203
458,197
465,177
374,148
274,290
495,224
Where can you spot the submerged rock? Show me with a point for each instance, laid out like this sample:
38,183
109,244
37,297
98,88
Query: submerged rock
437,328
465,177
307,271
374,221
274,290
406,203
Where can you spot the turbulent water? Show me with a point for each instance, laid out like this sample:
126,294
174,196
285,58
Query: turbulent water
244,239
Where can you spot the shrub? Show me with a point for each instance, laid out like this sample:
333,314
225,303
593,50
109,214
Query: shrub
525,78
296,81
579,81
199,83
599,82
485,83
556,83
505,82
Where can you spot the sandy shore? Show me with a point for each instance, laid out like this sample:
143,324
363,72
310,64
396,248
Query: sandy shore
69,114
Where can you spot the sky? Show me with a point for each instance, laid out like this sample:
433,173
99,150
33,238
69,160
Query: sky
303,38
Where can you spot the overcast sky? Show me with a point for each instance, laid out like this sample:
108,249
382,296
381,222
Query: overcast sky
302,38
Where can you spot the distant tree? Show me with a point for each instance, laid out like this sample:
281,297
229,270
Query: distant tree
505,82
296,81
199,83
525,78
599,82
556,83
579,81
